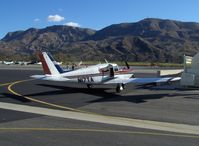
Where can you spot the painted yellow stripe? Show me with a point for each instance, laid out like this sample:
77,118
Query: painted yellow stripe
47,103
5,84
72,109
101,131
39,101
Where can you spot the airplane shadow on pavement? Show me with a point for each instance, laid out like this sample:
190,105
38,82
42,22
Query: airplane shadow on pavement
14,97
102,94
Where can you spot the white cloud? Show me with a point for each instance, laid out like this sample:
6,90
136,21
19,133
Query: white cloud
36,20
73,24
55,18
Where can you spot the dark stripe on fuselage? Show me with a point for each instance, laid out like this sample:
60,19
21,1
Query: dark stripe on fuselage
98,74
51,57
60,70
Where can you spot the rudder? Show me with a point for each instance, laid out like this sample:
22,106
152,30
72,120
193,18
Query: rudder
48,64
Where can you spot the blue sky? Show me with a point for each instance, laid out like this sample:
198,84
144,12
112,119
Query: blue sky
96,14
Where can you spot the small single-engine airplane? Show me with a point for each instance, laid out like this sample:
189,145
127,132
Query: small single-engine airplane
107,73
8,62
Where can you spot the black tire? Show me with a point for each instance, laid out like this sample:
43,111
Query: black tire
120,87
123,86
89,86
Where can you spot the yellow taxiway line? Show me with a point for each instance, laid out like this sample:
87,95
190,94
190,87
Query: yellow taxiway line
5,84
39,101
155,125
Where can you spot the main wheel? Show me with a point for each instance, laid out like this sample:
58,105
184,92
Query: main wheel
89,86
123,86
119,88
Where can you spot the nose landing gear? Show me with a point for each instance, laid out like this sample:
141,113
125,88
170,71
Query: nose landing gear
89,86
120,87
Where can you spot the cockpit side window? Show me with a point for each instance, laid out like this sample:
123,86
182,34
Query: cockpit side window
115,68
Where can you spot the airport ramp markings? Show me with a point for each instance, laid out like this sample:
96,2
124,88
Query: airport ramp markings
5,84
39,101
153,125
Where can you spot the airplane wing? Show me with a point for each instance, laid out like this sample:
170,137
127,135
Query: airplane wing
142,80
152,80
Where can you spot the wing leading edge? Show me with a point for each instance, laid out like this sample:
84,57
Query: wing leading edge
142,80
153,80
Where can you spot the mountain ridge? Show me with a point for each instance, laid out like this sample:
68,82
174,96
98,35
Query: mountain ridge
151,39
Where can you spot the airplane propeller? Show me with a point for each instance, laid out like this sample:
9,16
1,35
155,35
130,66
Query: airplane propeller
105,60
127,65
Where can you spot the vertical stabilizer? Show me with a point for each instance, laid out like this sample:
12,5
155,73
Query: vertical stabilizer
48,64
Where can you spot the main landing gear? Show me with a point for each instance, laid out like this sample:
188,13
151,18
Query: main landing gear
120,87
89,86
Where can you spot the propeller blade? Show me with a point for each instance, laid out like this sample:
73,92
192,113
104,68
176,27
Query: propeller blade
127,65
105,60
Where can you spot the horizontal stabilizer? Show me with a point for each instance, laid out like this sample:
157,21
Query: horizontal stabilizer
38,76
50,78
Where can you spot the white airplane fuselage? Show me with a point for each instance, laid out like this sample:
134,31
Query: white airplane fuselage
8,62
95,74
107,73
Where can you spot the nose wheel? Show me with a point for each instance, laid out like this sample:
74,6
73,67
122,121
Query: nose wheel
120,87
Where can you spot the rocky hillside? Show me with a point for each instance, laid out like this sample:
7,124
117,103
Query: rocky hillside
146,40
